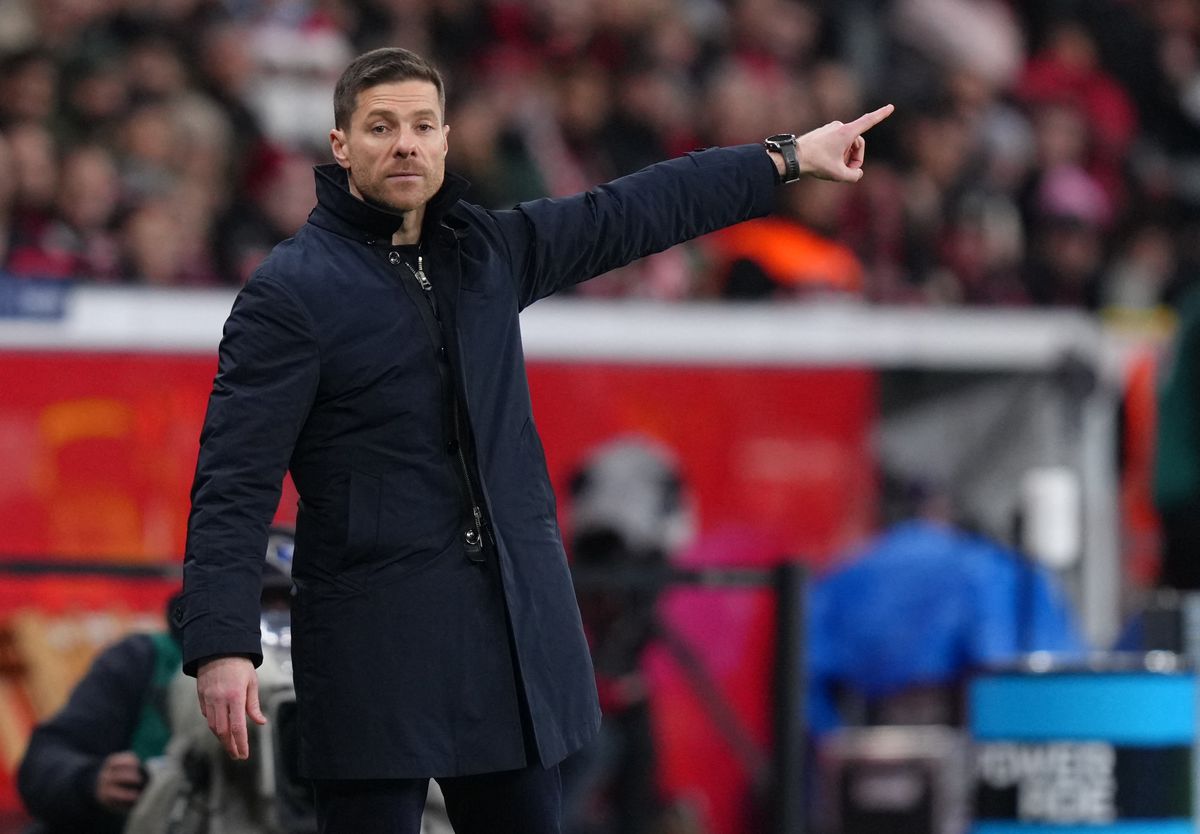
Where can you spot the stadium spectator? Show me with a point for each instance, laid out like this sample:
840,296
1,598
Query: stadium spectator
274,204
95,97
148,149
35,160
1072,213
76,241
226,69
28,86
1067,74
164,241
496,161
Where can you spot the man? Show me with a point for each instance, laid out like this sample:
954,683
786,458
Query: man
85,767
377,355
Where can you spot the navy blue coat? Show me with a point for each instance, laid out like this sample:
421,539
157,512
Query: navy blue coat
404,661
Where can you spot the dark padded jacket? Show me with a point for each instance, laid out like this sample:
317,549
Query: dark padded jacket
57,776
412,659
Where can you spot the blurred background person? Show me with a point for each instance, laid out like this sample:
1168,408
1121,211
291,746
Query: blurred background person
76,240
86,766
274,203
83,769
629,513
1177,454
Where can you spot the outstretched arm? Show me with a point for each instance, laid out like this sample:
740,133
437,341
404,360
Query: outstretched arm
554,243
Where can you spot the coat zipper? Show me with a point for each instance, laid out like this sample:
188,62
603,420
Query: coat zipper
473,538
419,273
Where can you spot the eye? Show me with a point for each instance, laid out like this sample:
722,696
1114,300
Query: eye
379,130
424,127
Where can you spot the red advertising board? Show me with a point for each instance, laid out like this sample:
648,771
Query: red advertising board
98,450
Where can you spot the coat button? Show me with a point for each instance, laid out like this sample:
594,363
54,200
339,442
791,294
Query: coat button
452,446
442,352
394,258
178,613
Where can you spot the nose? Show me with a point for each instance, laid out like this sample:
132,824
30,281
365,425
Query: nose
406,143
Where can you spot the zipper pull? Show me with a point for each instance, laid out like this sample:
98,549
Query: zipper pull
474,536
419,274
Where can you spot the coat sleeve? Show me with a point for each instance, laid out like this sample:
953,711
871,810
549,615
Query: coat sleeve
57,776
266,381
558,242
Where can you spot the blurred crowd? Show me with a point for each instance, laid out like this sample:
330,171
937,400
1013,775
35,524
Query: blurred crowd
1043,152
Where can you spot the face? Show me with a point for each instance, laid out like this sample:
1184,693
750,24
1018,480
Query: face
394,148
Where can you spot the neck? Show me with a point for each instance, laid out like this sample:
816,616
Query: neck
410,232
410,229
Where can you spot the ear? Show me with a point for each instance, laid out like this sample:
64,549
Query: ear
337,144
445,134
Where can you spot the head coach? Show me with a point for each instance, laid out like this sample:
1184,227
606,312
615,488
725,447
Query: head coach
377,356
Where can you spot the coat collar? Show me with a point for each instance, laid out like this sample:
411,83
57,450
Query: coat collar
341,212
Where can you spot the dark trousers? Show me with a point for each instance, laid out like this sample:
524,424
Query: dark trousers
525,801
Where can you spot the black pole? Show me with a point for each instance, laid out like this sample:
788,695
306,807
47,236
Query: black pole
788,798
135,568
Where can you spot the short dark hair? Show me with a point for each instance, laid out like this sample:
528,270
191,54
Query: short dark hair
381,66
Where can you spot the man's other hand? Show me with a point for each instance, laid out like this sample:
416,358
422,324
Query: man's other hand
120,781
228,691
837,150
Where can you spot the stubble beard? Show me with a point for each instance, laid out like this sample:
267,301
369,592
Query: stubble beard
372,196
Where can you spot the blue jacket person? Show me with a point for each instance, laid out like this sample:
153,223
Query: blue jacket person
377,356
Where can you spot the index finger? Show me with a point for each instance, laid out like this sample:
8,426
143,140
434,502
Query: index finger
218,722
868,120
237,732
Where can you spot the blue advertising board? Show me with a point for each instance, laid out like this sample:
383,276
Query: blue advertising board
1070,751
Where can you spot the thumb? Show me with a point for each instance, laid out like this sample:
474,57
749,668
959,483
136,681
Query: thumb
252,706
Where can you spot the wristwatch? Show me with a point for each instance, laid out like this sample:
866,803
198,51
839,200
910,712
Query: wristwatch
785,145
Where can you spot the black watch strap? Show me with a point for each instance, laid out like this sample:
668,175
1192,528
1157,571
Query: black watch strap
785,145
